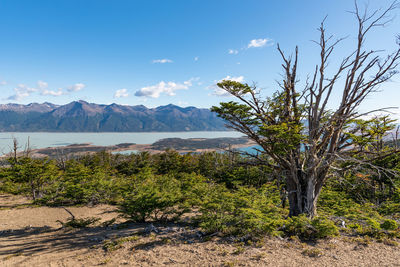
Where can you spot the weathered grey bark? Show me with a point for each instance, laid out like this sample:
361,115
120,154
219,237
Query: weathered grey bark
306,164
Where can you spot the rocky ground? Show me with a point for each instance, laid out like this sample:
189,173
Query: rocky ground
34,236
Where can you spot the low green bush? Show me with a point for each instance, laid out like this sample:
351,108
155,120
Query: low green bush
224,192
307,229
28,176
390,208
81,185
80,222
246,212
325,227
159,197
389,225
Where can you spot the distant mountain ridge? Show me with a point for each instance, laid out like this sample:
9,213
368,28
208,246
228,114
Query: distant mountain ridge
81,116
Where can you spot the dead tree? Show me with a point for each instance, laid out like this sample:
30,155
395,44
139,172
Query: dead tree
15,147
296,129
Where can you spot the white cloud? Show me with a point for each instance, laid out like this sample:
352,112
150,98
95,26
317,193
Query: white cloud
2,83
196,58
76,87
221,92
239,79
59,92
162,61
21,91
168,88
259,43
190,81
233,51
42,85
18,96
121,93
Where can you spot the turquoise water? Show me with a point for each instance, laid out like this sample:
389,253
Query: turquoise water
42,140
251,149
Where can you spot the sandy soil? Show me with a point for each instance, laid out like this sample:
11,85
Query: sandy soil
31,236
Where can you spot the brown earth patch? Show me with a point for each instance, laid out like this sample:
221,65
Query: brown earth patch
31,236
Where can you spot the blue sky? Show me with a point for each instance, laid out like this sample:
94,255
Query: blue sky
167,51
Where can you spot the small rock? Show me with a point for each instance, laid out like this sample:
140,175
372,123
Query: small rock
151,228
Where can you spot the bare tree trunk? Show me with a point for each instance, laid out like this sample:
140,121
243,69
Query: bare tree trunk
303,196
305,153
311,199
15,149
295,208
33,191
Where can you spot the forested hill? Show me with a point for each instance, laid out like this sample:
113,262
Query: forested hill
81,116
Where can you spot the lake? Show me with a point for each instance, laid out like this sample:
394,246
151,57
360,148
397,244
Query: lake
43,140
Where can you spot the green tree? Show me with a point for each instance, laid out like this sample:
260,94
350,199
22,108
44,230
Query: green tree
370,170
301,136
36,174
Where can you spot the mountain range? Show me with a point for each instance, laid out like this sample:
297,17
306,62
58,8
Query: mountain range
81,116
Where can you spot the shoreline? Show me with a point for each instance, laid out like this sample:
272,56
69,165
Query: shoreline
89,148
205,131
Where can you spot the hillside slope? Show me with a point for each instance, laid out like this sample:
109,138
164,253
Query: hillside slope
81,116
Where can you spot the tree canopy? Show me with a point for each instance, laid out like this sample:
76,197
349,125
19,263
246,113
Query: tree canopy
300,136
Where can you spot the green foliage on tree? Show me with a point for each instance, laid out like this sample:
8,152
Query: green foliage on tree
245,212
301,136
148,196
30,176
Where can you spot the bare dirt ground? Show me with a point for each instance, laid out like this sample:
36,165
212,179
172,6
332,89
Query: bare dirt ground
31,236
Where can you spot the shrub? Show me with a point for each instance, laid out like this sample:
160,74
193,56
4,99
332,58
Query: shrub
246,212
111,245
79,223
29,176
372,224
307,229
134,163
390,208
389,224
361,219
325,227
299,226
81,185
159,197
